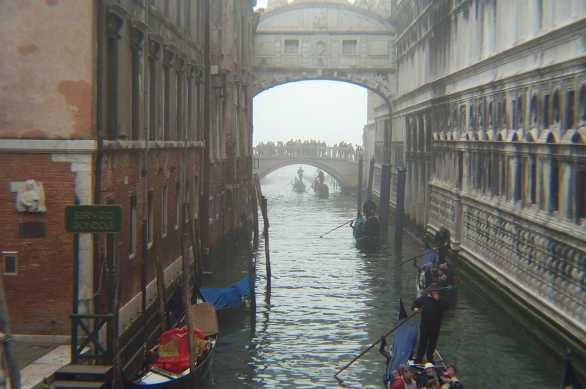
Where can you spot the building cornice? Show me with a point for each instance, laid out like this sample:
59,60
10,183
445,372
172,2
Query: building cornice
48,145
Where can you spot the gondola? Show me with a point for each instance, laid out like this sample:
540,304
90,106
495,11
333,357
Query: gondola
319,187
298,186
403,346
155,377
229,301
366,233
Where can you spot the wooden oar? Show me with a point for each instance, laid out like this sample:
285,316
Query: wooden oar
374,344
412,258
334,229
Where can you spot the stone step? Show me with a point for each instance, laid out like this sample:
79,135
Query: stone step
97,373
78,385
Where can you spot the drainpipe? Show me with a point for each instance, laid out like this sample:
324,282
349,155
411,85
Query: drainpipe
205,202
99,114
145,168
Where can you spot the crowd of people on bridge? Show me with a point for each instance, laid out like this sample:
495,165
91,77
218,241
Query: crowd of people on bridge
308,148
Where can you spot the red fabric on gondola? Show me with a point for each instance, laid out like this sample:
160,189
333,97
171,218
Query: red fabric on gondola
174,349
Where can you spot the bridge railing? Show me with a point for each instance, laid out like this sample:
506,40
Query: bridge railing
343,152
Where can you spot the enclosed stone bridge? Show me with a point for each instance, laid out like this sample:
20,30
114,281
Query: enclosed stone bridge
339,162
324,40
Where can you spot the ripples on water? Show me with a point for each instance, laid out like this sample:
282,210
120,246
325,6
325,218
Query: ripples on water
330,301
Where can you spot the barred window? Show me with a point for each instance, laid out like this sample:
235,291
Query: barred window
10,263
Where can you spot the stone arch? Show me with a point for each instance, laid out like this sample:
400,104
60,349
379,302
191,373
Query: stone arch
268,81
323,165
332,41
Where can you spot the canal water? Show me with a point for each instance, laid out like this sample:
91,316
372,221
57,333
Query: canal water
329,301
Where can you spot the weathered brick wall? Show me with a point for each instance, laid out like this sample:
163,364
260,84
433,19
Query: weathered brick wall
40,295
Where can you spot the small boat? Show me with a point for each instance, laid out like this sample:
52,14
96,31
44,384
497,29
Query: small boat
403,346
366,232
298,186
230,299
319,187
158,375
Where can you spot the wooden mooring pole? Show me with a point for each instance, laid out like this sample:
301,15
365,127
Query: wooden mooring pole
6,338
385,192
370,179
265,217
400,211
359,187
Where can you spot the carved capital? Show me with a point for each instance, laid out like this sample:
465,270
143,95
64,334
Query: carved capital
180,66
114,23
154,49
137,38
168,56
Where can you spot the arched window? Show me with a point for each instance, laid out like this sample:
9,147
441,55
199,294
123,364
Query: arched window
533,111
480,114
555,111
463,118
505,115
546,118
583,104
570,110
520,112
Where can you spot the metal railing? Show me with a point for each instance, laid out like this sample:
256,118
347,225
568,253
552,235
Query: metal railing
86,339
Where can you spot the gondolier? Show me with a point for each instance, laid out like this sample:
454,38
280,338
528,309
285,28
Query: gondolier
432,307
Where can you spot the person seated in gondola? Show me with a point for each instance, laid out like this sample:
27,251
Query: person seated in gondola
440,277
397,379
449,378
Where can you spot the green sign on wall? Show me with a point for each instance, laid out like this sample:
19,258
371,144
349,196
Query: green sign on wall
93,218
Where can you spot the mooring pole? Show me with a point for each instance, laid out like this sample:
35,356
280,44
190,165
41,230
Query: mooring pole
264,210
370,179
400,211
359,187
385,192
12,370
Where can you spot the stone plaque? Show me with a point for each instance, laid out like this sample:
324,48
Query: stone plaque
32,229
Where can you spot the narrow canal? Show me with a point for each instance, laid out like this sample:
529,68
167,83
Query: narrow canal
330,301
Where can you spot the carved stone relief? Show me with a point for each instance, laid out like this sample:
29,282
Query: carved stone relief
30,196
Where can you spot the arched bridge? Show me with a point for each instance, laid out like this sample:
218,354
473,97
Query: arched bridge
340,161
324,40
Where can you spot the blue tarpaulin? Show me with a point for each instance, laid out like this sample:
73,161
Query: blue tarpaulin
403,343
230,297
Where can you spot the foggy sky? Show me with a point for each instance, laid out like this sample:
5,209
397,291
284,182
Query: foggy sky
322,110
328,111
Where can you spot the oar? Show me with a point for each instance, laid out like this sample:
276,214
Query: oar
334,229
374,344
412,258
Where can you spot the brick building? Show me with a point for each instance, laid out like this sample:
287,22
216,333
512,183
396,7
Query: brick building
116,107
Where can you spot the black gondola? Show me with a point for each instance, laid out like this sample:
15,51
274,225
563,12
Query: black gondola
366,232
154,377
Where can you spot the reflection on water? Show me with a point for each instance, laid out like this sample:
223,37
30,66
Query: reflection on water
329,301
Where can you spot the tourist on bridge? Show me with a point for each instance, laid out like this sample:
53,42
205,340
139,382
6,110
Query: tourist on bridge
433,308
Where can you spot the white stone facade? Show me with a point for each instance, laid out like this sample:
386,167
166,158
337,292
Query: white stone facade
491,109
324,40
